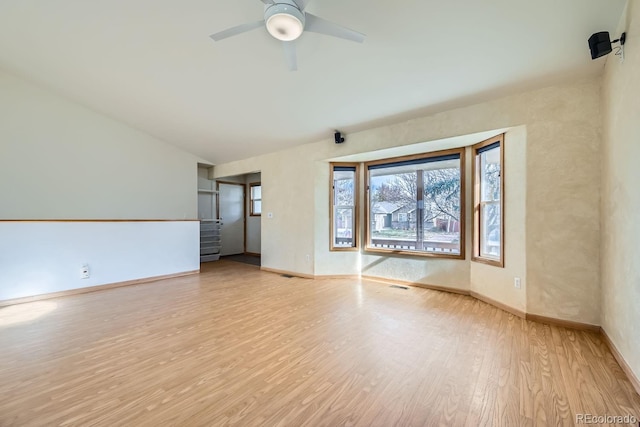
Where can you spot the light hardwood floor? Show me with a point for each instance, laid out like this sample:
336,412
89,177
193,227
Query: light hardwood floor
237,346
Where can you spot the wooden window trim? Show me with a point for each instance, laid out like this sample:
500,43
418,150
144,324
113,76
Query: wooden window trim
251,199
475,255
356,208
367,236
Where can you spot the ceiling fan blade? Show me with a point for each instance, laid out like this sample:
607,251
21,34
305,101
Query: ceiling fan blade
290,55
322,26
302,4
267,1
239,29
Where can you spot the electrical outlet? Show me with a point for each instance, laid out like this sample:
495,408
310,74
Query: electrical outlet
308,258
517,283
84,271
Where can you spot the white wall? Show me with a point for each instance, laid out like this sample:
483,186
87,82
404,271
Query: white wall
620,195
562,175
60,160
45,257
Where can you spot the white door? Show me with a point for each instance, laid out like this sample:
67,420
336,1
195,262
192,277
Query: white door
232,218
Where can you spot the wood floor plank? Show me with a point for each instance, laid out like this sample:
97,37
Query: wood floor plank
238,346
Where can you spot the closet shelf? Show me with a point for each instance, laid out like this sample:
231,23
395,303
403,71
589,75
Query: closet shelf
204,190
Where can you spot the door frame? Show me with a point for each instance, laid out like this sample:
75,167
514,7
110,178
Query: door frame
244,209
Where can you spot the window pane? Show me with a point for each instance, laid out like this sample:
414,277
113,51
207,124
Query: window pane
343,229
344,193
490,175
257,207
490,230
442,208
256,192
415,205
392,198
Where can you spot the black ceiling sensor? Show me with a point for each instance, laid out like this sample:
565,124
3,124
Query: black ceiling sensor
338,137
600,43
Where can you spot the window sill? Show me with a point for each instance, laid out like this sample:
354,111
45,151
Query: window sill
488,261
338,249
443,255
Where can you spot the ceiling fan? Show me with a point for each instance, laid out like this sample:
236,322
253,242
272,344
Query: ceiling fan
286,20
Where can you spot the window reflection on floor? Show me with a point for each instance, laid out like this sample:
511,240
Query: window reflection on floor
21,313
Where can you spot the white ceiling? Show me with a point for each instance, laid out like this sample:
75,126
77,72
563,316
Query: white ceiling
151,64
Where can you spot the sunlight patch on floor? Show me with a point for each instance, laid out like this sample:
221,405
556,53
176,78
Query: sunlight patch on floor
21,313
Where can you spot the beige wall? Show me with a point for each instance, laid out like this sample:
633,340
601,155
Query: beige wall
562,181
563,221
59,160
621,196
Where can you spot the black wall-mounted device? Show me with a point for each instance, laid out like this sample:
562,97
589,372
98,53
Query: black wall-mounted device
338,137
600,44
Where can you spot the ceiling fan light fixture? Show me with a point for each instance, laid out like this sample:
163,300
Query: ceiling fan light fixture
284,22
